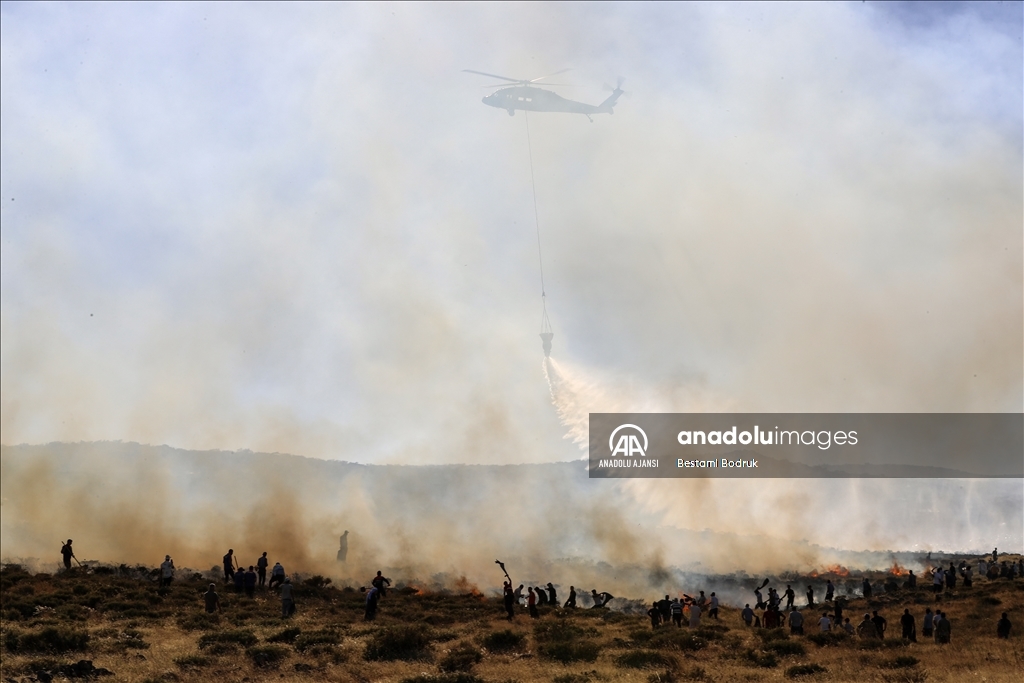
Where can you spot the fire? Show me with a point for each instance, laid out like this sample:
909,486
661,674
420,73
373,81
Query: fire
897,570
464,587
832,570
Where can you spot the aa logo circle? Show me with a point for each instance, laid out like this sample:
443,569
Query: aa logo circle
628,442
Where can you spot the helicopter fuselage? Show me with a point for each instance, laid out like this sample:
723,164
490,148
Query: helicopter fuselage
532,98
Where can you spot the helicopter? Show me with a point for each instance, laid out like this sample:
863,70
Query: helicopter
525,95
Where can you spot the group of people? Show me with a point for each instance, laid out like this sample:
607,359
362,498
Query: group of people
671,610
539,596
247,580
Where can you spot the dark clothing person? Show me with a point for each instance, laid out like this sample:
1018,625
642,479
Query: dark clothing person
542,596
372,597
867,588
261,569
343,547
211,599
912,580
229,566
943,629
531,604
1003,627
830,591
880,623
655,614
381,583
552,596
676,609
249,581
928,627
790,597
509,599
810,596
66,554
239,579
571,602
909,627
748,615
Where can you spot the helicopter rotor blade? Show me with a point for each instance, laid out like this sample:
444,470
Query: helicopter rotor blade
504,78
549,76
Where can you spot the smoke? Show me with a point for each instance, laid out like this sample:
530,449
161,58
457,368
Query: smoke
790,524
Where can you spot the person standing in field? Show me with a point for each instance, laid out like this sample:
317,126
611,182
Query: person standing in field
229,566
531,603
249,581
1003,627
66,554
166,571
211,599
867,629
880,624
747,615
261,569
287,602
713,612
928,626
676,609
571,602
909,627
508,597
796,622
372,597
830,591
943,629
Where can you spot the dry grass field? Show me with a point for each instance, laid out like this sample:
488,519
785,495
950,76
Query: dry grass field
125,629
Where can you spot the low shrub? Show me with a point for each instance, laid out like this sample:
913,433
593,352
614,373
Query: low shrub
405,643
764,660
901,662
444,678
785,647
828,639
193,661
242,638
645,659
52,639
567,652
266,656
286,636
504,641
461,658
310,639
804,670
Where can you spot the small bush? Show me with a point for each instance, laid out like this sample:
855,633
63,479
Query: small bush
562,631
504,641
905,676
193,661
286,636
785,647
767,635
567,652
804,670
405,643
645,659
828,639
49,640
764,660
316,581
677,639
323,637
201,621
697,673
267,656
901,662
462,658
243,638
989,600
219,649
444,678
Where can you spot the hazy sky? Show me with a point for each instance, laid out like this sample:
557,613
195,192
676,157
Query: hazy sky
297,228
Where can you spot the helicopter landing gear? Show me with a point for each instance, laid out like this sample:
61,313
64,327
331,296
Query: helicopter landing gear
511,112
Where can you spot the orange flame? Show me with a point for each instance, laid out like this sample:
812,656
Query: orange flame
897,570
